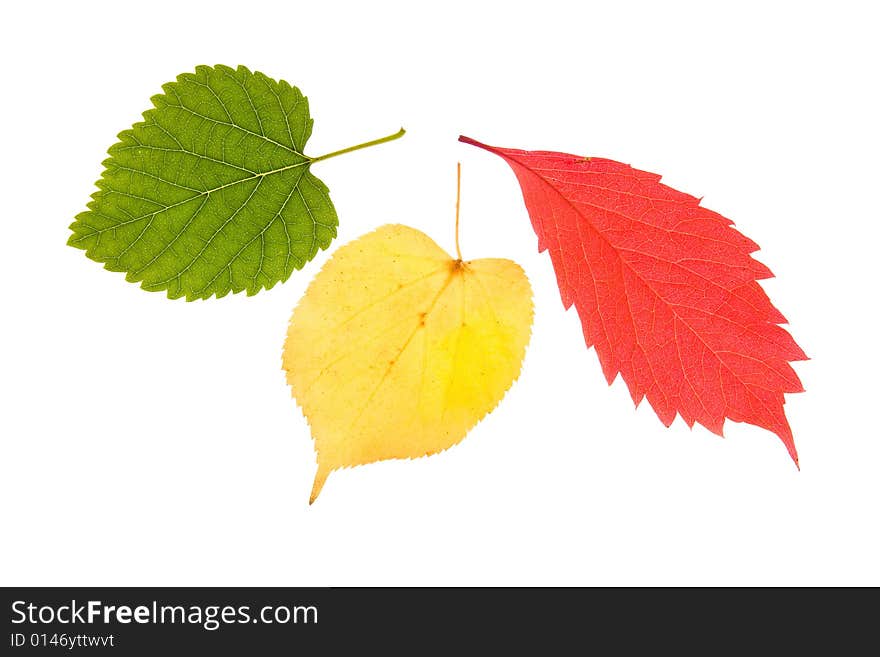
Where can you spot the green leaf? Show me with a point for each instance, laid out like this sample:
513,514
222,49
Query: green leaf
212,192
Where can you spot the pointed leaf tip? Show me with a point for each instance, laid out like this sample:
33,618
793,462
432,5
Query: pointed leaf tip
320,479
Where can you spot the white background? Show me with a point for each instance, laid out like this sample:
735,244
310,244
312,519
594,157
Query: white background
154,442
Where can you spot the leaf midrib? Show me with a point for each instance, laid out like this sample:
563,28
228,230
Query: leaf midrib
164,208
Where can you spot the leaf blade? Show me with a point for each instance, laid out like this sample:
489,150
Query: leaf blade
211,193
396,350
666,290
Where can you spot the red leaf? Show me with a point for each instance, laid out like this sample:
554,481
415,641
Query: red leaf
666,290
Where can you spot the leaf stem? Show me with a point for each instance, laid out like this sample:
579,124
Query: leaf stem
474,142
366,144
457,204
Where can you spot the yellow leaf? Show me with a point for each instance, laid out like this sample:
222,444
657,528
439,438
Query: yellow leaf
396,349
